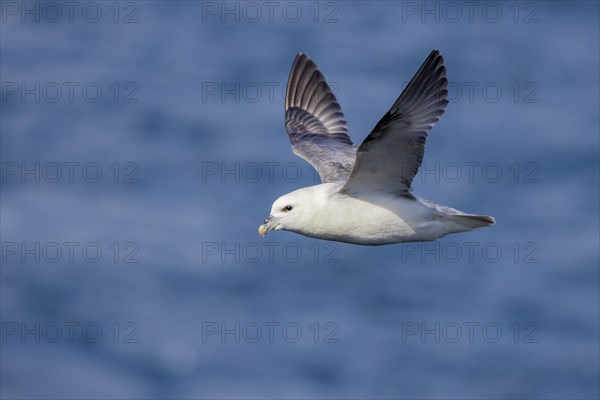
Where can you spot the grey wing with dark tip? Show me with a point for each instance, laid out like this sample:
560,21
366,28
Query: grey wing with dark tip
389,158
315,122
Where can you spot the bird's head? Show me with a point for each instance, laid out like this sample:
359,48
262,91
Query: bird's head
288,212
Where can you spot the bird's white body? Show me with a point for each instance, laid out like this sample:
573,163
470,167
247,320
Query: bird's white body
374,219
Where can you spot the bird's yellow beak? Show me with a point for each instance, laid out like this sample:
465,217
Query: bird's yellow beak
262,230
266,226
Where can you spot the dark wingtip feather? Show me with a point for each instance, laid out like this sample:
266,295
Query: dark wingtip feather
308,90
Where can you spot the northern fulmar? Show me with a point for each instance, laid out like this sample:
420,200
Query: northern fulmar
365,196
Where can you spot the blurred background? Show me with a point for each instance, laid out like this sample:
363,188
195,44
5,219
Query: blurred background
142,143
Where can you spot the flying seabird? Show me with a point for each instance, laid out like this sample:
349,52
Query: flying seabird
365,196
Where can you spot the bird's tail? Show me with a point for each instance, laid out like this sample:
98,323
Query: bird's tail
473,221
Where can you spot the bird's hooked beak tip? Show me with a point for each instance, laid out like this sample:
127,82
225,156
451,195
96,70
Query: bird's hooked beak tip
266,226
262,230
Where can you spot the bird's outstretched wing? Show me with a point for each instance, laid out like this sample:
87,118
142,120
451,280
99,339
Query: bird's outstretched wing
315,122
389,158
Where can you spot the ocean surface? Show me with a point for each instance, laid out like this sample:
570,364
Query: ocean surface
142,144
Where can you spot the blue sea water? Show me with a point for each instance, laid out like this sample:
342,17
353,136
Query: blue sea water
142,143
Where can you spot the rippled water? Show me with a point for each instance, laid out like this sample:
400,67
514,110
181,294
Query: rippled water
153,274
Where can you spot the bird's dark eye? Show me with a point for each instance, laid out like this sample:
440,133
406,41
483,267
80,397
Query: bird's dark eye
287,208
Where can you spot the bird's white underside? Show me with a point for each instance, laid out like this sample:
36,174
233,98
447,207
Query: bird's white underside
371,219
